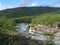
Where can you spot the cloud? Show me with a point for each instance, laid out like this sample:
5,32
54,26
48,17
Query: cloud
57,1
25,3
12,6
26,0
1,6
56,5
34,4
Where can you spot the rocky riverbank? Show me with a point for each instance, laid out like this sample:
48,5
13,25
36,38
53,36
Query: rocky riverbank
37,32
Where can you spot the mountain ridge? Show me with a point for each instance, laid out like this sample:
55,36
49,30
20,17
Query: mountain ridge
29,11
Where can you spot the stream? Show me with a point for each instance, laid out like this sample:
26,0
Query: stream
22,30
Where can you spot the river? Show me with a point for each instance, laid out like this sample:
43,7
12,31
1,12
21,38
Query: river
22,30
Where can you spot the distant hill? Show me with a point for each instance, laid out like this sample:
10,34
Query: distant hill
29,11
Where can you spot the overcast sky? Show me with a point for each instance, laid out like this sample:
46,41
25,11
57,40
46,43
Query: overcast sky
4,4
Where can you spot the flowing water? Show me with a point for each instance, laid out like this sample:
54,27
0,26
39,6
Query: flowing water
22,30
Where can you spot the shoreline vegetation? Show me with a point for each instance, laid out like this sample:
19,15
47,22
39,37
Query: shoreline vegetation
33,15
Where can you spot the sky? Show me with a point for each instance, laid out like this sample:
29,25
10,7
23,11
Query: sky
5,4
